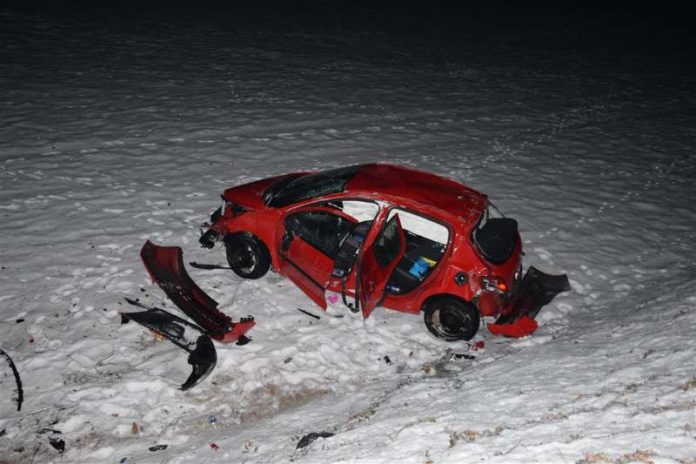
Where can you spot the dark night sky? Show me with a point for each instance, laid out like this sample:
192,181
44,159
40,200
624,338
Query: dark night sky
651,24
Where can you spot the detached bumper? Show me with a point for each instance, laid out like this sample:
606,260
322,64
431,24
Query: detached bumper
166,268
536,290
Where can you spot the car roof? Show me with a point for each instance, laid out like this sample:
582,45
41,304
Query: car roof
408,186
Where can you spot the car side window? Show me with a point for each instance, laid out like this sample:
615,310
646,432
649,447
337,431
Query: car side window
320,229
388,243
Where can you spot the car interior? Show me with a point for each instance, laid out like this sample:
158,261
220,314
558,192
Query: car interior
426,241
340,239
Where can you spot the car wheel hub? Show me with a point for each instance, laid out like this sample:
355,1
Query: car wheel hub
450,322
245,259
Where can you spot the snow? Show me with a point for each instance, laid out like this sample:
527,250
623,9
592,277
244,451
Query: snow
117,132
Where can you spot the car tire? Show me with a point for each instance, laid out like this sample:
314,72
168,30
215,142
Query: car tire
450,318
247,256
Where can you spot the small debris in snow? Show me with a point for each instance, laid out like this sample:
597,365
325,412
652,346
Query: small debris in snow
214,446
212,420
57,443
135,429
308,313
311,438
20,320
387,360
158,447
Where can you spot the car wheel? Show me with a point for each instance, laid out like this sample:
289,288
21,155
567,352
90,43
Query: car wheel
247,255
451,319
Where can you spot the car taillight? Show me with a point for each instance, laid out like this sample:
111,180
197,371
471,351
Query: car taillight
494,285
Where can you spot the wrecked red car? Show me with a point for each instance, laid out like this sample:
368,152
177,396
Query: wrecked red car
386,235
368,235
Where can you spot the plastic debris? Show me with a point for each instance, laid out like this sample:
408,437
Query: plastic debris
387,360
212,420
134,428
311,438
158,447
214,446
18,381
308,313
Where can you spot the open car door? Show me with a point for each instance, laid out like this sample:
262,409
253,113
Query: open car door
309,240
377,264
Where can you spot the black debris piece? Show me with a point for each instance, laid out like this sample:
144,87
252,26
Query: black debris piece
387,360
158,447
20,392
308,313
207,267
57,443
20,320
202,355
311,438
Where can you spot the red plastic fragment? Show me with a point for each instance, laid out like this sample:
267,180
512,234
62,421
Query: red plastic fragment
522,327
214,446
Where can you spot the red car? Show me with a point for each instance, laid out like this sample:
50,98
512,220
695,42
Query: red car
386,235
370,235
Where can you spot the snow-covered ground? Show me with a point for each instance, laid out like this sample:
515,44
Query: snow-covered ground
113,132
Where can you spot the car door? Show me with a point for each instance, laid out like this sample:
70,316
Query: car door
309,238
377,263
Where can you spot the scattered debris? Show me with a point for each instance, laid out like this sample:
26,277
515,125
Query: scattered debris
2,432
212,420
308,313
135,429
158,447
214,446
20,392
57,443
462,356
207,266
387,360
311,438
20,320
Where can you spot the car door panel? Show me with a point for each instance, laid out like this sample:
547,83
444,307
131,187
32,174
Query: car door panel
303,262
308,268
377,262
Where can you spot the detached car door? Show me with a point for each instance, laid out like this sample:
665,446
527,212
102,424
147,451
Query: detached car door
309,239
378,262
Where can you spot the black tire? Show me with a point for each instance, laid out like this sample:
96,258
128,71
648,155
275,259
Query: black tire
247,255
450,318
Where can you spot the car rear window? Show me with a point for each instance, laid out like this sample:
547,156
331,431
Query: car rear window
495,237
310,186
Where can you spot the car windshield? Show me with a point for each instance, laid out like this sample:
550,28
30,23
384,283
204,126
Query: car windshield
309,186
